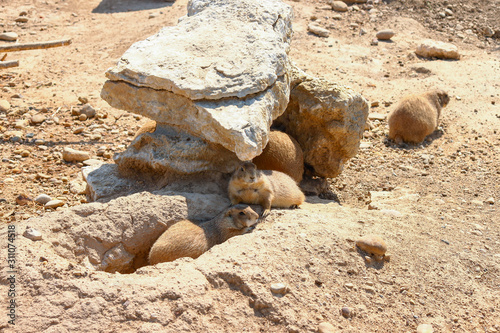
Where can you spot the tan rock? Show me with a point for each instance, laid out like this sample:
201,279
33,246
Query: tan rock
372,244
436,49
425,328
338,6
326,119
317,30
4,105
9,36
385,34
73,155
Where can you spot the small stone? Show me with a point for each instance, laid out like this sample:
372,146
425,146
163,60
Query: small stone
25,153
384,34
22,19
346,312
38,119
82,117
317,30
377,116
54,204
349,285
325,327
425,328
431,48
4,105
77,187
32,234
78,130
73,155
279,288
374,42
339,6
88,110
23,199
372,244
448,12
83,100
490,201
42,199
39,142
22,123
153,15
9,36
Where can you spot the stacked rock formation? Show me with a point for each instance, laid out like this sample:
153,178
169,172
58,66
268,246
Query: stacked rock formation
213,83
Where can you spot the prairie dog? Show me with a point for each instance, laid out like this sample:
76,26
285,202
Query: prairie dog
186,239
267,188
416,116
282,153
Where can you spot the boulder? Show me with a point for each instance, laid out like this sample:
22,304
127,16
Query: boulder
225,93
436,49
170,150
327,120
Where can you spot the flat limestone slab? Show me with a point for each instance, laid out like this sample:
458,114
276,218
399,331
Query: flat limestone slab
222,49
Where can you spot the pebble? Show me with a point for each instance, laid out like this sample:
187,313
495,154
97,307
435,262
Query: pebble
153,15
372,244
279,288
79,130
54,203
490,201
349,285
38,119
377,116
22,200
82,117
92,162
374,42
326,327
73,155
384,34
22,123
4,105
317,30
42,199
339,6
22,19
32,234
346,312
9,36
477,202
425,328
87,110
25,153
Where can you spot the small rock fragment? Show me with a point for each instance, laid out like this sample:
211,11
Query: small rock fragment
38,119
23,199
347,312
425,328
32,234
325,327
88,110
317,30
42,199
4,105
339,6
54,203
372,244
9,36
73,155
490,201
279,288
384,34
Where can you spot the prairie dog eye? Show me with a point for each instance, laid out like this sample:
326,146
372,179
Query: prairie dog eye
241,214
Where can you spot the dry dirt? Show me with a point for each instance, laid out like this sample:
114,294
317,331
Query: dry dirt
445,267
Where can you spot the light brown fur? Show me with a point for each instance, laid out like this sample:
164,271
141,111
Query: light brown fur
267,188
282,153
416,116
186,239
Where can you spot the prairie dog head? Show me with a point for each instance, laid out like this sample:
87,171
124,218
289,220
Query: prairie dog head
443,97
242,217
246,172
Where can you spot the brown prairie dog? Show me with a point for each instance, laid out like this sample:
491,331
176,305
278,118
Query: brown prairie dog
267,188
186,239
416,116
282,153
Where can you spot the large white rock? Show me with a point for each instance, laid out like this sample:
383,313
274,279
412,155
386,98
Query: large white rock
220,74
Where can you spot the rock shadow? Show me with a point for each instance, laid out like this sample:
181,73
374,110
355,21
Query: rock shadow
120,6
372,262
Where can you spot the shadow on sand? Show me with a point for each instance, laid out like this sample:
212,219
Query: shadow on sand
119,6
